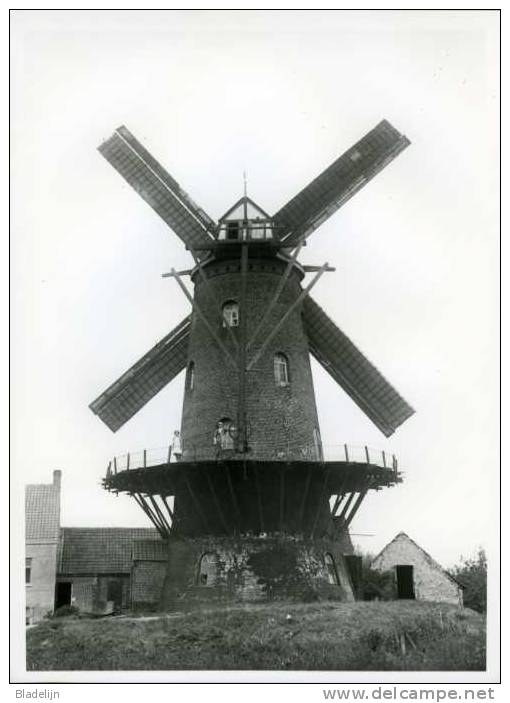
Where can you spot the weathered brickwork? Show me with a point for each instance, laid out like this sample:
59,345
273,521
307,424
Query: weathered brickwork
146,584
92,592
431,581
40,593
42,525
254,569
280,418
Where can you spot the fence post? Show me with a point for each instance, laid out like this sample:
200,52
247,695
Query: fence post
128,461
115,464
346,453
169,453
367,454
384,458
144,458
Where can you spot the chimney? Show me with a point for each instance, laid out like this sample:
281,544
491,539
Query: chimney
57,478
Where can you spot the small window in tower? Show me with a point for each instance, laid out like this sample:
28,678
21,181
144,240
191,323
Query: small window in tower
28,570
231,314
190,376
331,569
232,230
281,370
207,569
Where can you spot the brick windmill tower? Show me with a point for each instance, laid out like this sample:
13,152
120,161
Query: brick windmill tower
253,508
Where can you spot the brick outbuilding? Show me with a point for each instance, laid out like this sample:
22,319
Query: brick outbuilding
417,575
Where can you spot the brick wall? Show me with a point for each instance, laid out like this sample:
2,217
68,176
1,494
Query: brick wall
279,418
90,593
253,569
40,592
146,583
431,582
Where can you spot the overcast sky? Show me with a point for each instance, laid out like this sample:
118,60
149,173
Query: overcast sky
280,95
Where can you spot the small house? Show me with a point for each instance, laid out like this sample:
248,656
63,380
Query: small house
417,575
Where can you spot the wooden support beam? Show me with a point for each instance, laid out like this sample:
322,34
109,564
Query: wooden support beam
241,440
234,498
186,272
282,498
284,318
322,496
160,514
212,294
337,502
276,295
142,503
312,269
259,498
204,320
305,496
217,503
346,505
357,505
195,500
170,511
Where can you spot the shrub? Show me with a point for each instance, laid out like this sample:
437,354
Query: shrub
472,574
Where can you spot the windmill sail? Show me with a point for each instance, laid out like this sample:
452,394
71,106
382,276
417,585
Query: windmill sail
352,371
158,188
348,174
144,379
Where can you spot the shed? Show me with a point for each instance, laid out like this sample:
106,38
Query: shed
121,565
417,575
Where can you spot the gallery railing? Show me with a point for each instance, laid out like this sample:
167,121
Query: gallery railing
356,454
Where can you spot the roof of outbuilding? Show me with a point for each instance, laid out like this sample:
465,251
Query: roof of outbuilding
96,550
149,550
432,562
42,512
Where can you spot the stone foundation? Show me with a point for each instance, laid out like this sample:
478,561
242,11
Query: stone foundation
207,570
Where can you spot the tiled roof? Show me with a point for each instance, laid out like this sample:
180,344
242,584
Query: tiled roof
95,550
42,512
149,550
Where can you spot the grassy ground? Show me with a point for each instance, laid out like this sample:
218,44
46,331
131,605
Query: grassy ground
399,635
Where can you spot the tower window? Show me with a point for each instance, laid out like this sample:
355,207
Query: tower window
331,569
207,569
281,370
190,376
28,570
231,314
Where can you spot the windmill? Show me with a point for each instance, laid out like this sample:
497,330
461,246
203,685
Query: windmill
252,507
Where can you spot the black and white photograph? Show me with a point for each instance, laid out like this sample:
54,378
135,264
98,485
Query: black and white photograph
254,366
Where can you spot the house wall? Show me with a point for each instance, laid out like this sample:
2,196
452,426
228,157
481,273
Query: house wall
89,592
40,592
431,582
